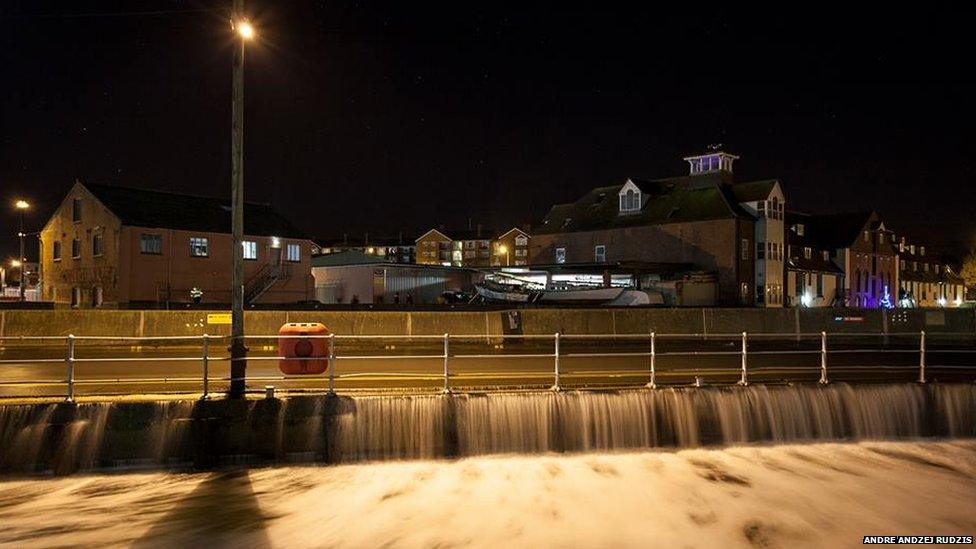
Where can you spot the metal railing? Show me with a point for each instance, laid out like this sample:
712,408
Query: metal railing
741,341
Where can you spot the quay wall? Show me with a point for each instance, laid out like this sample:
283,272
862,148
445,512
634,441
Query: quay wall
151,323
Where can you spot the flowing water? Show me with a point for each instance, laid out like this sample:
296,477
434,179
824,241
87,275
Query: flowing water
815,495
673,467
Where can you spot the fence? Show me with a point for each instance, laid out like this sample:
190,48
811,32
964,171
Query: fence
642,355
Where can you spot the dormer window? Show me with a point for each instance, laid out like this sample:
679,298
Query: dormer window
630,201
629,198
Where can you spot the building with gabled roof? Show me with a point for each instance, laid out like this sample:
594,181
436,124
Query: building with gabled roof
475,247
704,218
108,246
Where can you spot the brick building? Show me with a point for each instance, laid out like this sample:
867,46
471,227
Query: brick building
475,248
926,279
117,247
705,218
863,248
812,278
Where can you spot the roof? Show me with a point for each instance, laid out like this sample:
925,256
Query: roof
838,230
145,208
674,200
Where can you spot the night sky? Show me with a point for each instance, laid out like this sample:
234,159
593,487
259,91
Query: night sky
387,117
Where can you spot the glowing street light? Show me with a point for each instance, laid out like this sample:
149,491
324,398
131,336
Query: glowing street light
503,249
238,351
16,264
22,206
245,29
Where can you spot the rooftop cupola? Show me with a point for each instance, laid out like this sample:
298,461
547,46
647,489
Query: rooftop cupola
715,160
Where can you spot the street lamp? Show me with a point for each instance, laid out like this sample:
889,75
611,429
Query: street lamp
22,206
238,351
503,249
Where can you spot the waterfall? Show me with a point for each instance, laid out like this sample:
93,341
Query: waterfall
67,437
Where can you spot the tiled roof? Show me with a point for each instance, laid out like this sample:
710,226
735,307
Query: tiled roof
674,200
145,208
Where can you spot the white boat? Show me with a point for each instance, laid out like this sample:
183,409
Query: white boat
504,294
581,295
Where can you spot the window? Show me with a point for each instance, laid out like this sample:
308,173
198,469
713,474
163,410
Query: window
250,249
199,246
760,251
600,253
97,299
921,250
56,250
75,248
98,244
560,255
761,208
521,240
807,253
819,285
744,249
293,252
867,236
76,210
826,255
760,293
151,243
630,201
800,229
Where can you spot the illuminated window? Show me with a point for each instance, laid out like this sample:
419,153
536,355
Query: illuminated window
293,252
560,255
807,253
745,249
199,246
600,253
250,249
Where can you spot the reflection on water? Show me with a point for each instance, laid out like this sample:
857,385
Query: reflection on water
796,496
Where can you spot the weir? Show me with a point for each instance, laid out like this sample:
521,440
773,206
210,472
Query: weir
63,438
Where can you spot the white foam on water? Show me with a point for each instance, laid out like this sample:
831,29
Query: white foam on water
817,495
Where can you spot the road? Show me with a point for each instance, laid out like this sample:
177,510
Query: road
29,369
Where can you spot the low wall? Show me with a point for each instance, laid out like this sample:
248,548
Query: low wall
534,321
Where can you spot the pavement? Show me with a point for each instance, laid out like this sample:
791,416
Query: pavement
31,370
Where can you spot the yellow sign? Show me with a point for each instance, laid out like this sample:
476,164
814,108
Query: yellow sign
218,318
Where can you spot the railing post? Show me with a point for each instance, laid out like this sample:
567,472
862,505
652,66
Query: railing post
652,384
921,358
206,365
332,363
70,362
447,361
823,358
744,380
555,384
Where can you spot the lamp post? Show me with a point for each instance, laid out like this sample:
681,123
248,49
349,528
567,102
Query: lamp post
244,31
22,206
504,250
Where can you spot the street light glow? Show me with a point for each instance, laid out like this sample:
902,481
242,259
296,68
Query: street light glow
245,29
14,263
21,205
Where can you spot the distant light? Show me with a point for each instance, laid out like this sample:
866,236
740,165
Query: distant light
14,263
503,249
942,302
21,205
806,299
958,302
245,29
275,242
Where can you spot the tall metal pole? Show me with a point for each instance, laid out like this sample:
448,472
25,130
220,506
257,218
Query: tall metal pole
23,261
238,351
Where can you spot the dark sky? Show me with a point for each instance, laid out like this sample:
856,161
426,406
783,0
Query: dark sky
386,117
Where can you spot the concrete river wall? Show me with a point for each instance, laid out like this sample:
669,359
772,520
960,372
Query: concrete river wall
66,437
531,321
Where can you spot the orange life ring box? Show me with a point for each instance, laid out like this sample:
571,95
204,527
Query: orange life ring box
312,353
